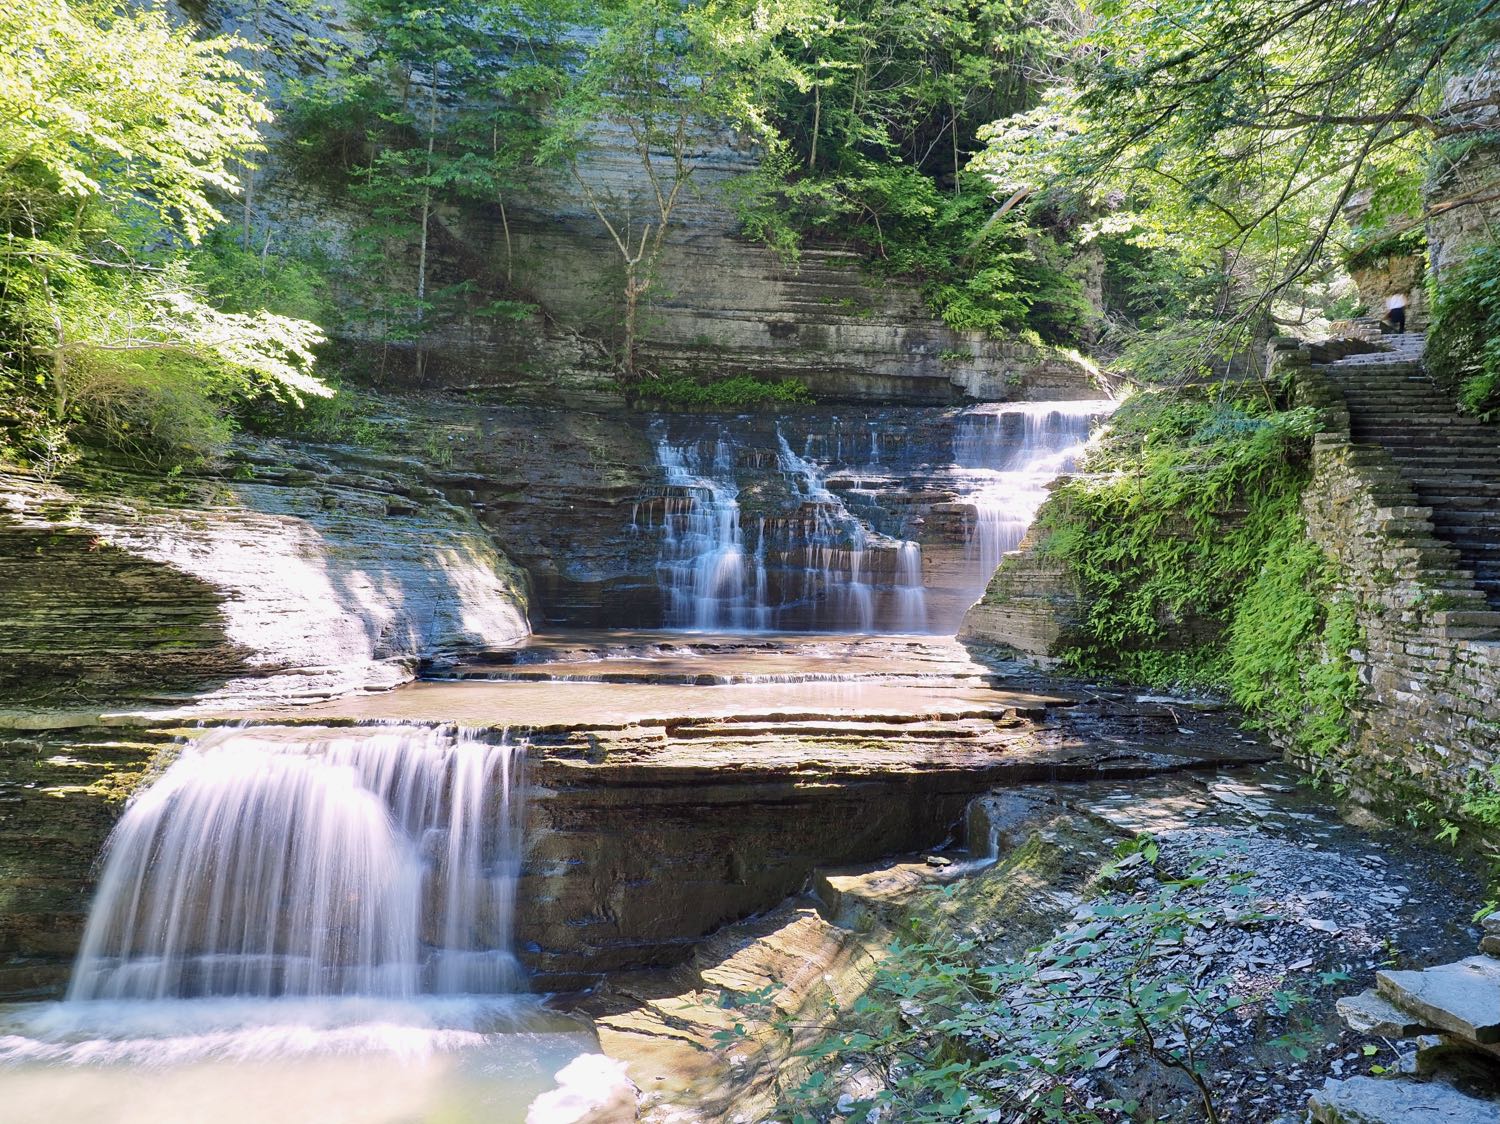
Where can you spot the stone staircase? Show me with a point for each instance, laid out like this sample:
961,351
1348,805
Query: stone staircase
1451,461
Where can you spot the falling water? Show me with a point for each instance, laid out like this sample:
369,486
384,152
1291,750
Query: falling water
812,564
1006,456
835,544
283,862
706,577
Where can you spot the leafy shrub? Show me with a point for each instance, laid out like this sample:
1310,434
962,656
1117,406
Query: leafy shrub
737,392
1197,489
164,410
237,279
1289,645
1408,243
1463,346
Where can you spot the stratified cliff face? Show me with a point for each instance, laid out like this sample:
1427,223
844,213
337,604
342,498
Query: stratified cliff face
1463,196
720,304
318,573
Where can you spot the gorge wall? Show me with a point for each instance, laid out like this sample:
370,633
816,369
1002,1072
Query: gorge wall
721,304
302,574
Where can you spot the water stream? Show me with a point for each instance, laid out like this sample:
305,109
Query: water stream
755,535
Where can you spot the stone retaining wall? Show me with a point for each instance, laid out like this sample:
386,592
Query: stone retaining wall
1430,715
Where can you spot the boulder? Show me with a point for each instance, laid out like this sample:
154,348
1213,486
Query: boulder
1463,997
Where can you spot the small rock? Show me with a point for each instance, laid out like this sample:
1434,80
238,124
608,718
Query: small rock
939,860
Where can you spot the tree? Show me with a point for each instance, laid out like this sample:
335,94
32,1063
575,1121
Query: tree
667,76
440,108
117,133
1232,137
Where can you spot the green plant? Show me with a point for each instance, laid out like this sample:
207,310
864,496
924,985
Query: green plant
732,393
1463,345
1289,646
1196,488
951,1036
1406,243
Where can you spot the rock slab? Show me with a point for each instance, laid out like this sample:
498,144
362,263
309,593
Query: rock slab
1373,1100
1371,1013
1463,997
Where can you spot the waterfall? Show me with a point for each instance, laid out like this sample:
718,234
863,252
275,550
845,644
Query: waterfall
703,564
834,543
911,595
1005,457
809,564
281,861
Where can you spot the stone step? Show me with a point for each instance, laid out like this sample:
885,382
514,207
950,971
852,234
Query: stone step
1438,439
1462,998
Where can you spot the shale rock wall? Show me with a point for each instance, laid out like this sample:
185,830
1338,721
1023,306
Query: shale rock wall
1033,605
721,305
1463,195
309,574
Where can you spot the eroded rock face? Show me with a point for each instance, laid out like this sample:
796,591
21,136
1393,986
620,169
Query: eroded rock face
319,573
733,1034
60,794
1461,204
720,304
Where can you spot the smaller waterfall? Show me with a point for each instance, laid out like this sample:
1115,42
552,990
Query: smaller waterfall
805,562
1006,456
278,861
704,568
835,542
911,595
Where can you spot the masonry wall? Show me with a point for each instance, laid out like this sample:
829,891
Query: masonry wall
1430,662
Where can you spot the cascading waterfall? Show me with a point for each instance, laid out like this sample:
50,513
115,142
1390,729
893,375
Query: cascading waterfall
284,862
835,543
1006,455
813,568
706,577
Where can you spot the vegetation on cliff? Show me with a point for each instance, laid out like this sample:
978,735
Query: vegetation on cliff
118,133
1190,553
1463,350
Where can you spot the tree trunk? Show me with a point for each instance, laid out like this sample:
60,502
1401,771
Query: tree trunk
245,213
426,219
632,301
812,155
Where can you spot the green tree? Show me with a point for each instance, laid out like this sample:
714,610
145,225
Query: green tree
117,134
440,109
1230,137
664,77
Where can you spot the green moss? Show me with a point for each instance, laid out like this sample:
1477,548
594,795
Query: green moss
1463,345
1193,560
1198,484
1289,647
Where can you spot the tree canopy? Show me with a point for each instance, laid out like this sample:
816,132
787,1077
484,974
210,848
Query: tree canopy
118,132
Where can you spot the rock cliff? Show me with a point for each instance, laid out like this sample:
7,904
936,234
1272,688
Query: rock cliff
310,573
720,305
